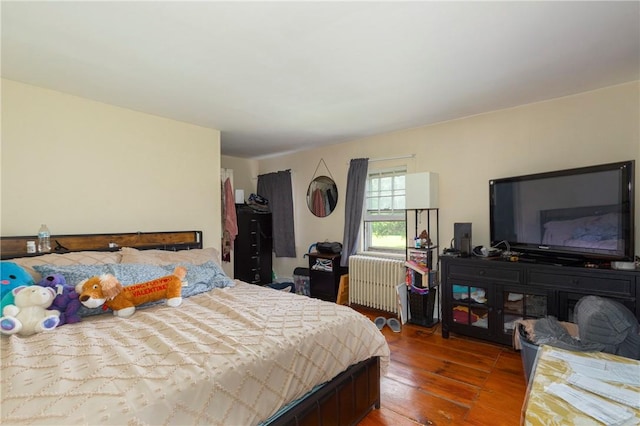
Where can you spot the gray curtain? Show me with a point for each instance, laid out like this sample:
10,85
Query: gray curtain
356,183
276,187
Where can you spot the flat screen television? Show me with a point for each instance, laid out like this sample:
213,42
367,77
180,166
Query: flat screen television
580,214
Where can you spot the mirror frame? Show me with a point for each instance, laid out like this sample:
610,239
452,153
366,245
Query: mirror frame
313,187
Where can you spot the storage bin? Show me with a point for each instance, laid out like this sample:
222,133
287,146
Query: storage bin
301,281
528,352
421,308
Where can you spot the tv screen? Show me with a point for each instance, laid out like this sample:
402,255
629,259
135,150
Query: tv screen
584,213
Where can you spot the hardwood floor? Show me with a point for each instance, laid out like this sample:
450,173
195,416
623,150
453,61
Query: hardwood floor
455,381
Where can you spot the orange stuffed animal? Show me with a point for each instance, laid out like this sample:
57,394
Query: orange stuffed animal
107,291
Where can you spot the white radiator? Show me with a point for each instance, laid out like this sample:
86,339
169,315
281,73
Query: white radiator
373,281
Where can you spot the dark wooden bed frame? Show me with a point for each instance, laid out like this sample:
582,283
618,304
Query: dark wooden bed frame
11,247
344,400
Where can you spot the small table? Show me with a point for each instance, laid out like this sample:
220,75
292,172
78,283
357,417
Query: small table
324,275
543,408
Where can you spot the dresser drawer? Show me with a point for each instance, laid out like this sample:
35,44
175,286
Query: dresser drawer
613,284
487,272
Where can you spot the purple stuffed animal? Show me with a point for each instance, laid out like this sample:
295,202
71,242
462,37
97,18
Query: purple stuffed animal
66,300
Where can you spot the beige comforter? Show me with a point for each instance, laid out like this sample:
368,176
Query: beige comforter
231,357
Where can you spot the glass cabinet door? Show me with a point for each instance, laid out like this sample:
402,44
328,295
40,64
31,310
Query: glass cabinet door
517,305
470,306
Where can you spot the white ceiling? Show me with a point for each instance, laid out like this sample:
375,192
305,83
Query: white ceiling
276,77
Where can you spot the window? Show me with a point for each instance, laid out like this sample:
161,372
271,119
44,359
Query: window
384,215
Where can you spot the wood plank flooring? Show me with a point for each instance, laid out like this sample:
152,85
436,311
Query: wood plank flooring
455,381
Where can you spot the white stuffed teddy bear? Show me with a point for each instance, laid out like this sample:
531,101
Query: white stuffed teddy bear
29,314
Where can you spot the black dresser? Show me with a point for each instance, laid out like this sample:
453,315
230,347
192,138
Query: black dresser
252,248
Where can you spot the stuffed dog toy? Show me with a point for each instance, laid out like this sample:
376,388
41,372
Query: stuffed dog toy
105,290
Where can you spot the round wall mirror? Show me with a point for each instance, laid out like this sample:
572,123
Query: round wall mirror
322,196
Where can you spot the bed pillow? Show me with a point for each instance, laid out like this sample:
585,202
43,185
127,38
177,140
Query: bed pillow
76,258
165,257
73,274
200,278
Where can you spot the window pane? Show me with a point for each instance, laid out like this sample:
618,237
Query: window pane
384,217
387,235
385,203
386,184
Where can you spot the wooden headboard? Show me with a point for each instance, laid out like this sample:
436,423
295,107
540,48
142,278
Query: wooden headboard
11,247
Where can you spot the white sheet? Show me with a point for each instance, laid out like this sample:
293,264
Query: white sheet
228,357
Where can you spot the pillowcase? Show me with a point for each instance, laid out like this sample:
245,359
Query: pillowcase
165,257
200,278
76,258
73,274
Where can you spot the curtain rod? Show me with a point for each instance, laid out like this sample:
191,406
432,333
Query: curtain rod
293,172
399,157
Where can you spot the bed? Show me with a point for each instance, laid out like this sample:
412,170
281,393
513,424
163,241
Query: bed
232,354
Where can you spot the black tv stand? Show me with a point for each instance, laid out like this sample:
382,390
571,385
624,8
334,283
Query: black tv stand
555,261
484,297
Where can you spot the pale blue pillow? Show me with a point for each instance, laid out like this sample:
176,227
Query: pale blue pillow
200,278
73,274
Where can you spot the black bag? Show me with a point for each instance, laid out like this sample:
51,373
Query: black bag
257,199
327,247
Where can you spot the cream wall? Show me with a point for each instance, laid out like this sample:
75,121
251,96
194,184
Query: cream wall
86,167
590,128
245,173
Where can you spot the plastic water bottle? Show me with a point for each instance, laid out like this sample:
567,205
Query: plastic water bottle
44,239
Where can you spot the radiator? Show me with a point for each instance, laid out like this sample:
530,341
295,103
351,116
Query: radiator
373,282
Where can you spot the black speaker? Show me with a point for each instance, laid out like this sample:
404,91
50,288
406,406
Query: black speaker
462,238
